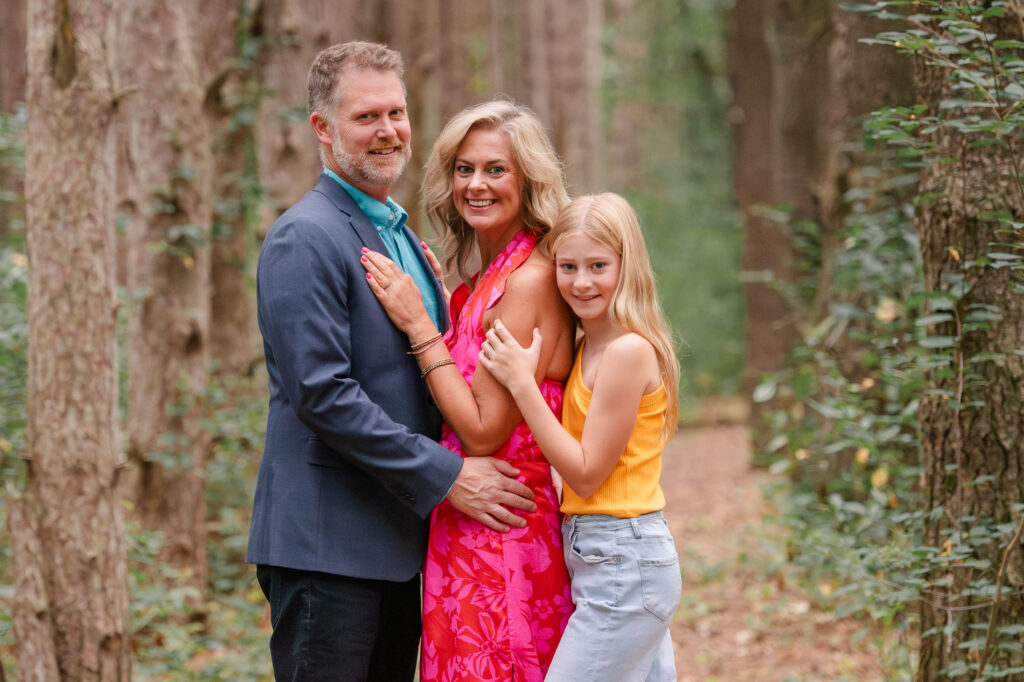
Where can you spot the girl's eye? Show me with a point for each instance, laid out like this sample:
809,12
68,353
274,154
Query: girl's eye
568,267
598,266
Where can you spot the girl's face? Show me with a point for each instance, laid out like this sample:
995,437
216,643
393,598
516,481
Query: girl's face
485,184
587,273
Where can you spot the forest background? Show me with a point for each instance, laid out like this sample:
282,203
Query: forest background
832,197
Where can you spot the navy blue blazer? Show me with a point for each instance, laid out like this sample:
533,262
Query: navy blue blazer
351,468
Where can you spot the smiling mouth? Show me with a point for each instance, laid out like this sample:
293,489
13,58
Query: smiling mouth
480,204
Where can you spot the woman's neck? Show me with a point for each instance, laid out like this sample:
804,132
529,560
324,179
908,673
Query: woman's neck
489,245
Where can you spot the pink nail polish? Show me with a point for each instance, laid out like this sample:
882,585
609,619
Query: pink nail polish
365,250
369,276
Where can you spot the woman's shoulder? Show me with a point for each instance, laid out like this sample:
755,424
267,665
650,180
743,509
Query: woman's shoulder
536,276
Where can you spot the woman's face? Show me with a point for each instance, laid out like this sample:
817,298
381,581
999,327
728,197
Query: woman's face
485,184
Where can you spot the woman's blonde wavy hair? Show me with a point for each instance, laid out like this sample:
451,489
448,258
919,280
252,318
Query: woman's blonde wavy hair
541,180
609,220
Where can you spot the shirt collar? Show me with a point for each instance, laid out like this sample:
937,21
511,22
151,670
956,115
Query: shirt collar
389,214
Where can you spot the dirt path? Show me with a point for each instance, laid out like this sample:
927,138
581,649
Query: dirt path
739,620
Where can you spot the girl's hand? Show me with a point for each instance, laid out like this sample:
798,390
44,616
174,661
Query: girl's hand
398,294
435,265
510,363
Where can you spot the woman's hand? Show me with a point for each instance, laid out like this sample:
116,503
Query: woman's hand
435,265
399,295
510,363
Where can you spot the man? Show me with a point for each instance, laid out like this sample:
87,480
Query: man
351,469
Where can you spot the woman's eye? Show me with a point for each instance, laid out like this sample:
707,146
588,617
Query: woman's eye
463,170
497,170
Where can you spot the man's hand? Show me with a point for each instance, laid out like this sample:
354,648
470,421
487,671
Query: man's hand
485,488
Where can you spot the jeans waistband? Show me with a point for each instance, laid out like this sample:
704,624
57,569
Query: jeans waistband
606,522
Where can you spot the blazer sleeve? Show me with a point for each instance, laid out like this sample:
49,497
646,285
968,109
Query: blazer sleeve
304,311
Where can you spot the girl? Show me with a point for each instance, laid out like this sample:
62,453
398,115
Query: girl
619,409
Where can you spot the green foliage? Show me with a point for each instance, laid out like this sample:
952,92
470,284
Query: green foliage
227,645
683,197
13,357
849,438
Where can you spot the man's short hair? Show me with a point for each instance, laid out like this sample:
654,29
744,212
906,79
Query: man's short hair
323,83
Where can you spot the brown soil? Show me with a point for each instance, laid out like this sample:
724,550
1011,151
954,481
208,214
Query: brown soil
739,619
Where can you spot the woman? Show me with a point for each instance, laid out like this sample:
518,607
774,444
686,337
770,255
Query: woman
495,604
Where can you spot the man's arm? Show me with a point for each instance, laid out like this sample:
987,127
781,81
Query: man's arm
303,301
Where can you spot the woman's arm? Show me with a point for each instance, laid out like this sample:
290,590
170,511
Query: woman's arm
484,414
624,373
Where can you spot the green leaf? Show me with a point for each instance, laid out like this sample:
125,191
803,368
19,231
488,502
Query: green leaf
938,341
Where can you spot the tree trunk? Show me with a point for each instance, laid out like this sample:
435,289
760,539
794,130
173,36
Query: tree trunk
169,209
230,77
288,155
971,414
71,587
801,82
575,78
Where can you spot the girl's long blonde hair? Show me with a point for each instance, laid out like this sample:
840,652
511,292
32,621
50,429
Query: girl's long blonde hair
610,220
541,180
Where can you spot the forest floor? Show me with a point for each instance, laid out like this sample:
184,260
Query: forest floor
740,619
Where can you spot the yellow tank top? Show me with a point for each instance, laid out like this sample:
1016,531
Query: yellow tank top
632,488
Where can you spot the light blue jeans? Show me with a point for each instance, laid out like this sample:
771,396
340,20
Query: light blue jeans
626,586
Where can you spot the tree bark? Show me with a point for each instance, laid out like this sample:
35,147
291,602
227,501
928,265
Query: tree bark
169,207
575,78
294,32
971,415
225,33
801,83
71,587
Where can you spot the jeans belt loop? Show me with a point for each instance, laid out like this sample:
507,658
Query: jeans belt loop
636,527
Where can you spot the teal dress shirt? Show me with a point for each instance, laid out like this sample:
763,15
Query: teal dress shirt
389,219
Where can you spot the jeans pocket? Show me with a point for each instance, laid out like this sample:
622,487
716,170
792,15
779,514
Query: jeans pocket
662,585
593,548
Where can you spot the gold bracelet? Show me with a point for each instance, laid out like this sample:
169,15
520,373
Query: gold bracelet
416,348
434,365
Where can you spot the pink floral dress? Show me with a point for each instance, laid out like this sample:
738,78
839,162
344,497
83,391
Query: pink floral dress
494,604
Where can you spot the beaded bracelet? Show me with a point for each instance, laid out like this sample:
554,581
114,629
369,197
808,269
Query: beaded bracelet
434,365
417,348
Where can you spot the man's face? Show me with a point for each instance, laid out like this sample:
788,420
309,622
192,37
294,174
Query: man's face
370,133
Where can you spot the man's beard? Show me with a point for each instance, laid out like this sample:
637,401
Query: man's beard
366,169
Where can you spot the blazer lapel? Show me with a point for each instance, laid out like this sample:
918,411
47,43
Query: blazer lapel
347,205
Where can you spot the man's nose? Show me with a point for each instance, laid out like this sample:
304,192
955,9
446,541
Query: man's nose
386,130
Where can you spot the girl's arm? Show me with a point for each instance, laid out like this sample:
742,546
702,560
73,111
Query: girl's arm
624,374
484,414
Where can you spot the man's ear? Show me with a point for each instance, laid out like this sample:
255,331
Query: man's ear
321,128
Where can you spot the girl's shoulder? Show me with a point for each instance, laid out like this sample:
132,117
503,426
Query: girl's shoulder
629,346
634,354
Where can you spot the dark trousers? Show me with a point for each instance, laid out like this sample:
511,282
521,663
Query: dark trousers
331,627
